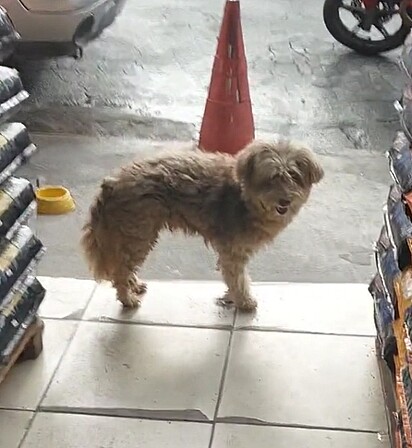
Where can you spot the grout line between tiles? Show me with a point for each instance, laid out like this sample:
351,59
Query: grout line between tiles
36,411
307,332
168,415
242,421
211,327
88,301
69,343
5,408
26,430
223,379
237,421
146,324
218,280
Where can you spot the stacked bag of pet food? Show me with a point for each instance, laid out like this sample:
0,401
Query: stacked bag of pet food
20,250
391,288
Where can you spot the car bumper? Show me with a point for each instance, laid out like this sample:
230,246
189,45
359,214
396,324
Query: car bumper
62,33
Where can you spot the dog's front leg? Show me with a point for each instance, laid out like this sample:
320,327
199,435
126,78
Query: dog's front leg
234,273
129,289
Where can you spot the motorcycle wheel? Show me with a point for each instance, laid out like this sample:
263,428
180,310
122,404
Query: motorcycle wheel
348,38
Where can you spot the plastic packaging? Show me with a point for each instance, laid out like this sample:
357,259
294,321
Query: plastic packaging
399,433
12,93
404,108
17,255
406,57
17,204
403,286
408,336
15,148
400,162
399,226
384,314
15,309
405,61
8,36
387,266
15,341
400,439
383,242
404,389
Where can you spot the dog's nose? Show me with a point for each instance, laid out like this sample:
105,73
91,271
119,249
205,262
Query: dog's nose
284,202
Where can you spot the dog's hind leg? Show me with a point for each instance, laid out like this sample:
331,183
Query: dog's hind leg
234,273
129,287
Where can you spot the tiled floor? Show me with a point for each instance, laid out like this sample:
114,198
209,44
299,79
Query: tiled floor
184,372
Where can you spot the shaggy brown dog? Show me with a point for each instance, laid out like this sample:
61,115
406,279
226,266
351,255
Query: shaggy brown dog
237,204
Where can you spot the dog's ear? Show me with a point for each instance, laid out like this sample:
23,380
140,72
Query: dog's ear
245,164
311,171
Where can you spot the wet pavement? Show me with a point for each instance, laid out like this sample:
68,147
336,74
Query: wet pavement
148,75
144,84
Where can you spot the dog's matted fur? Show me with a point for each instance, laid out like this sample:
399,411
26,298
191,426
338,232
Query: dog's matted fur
237,204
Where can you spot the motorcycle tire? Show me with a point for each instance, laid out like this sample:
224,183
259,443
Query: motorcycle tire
339,31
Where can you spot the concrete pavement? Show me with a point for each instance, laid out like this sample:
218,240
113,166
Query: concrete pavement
151,69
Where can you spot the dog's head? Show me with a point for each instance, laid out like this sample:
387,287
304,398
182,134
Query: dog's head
277,177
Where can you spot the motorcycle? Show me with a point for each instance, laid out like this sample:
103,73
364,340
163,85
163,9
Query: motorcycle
374,30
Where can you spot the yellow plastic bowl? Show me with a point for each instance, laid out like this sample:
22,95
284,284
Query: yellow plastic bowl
54,200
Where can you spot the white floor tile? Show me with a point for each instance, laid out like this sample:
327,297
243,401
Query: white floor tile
75,431
174,373
66,298
13,425
133,369
323,308
300,379
243,436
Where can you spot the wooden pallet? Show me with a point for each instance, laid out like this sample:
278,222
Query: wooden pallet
30,347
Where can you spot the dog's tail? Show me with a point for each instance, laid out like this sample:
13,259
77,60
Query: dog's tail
93,241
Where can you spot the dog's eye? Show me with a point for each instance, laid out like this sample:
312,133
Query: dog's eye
269,183
296,177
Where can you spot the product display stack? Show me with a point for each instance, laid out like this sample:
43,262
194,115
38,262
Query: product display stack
20,250
391,288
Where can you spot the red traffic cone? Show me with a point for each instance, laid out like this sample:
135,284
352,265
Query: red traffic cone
228,120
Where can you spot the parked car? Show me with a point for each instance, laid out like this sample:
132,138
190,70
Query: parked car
60,27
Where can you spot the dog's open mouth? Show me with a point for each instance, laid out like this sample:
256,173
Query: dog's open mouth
281,210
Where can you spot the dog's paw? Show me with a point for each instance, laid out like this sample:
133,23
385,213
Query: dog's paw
131,301
137,287
224,302
247,304
140,288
